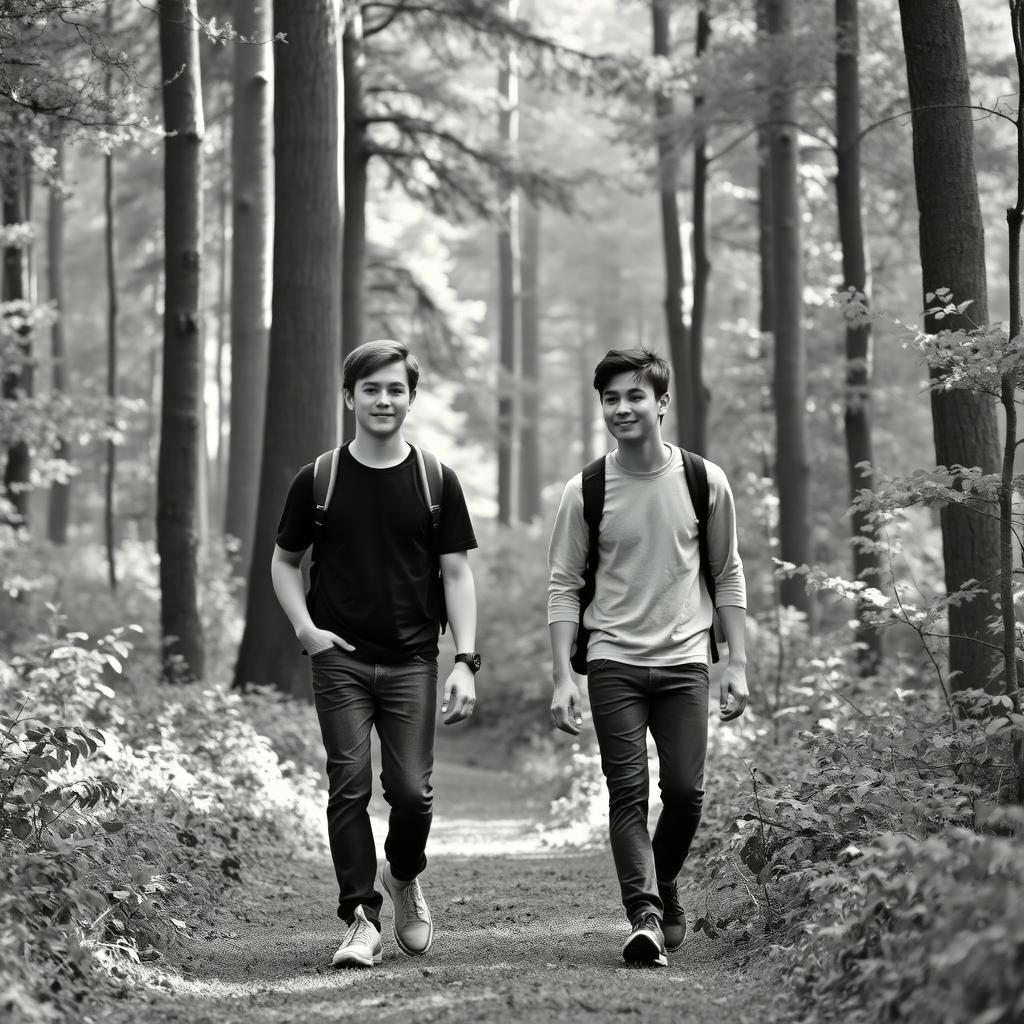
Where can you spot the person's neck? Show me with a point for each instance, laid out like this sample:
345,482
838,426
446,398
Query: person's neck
642,456
379,452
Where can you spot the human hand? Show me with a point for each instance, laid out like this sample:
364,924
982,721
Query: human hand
565,707
732,692
459,694
315,640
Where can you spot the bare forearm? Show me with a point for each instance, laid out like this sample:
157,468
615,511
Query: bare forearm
291,594
460,598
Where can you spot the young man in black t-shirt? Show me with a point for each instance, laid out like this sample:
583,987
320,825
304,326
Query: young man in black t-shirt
370,625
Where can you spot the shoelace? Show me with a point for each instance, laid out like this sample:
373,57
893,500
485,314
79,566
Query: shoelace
359,931
413,902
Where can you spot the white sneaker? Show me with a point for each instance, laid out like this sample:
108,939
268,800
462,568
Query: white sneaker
414,930
361,946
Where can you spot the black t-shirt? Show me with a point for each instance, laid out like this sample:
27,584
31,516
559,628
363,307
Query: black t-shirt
375,577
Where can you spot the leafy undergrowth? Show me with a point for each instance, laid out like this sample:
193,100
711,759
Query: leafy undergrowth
869,851
127,811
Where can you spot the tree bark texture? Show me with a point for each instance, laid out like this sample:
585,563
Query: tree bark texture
110,469
59,507
701,259
679,341
509,349
252,228
529,453
304,372
356,159
19,380
790,367
952,248
178,466
857,409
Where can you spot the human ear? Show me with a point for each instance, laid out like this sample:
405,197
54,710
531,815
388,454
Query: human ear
349,401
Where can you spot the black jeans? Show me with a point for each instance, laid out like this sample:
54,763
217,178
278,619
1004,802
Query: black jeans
351,697
672,702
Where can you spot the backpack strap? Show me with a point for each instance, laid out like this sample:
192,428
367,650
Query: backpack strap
593,509
697,481
431,482
325,475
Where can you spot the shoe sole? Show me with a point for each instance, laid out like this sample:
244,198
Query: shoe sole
642,949
352,960
394,925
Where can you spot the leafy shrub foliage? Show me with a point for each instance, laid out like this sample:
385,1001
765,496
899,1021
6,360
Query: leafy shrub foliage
124,813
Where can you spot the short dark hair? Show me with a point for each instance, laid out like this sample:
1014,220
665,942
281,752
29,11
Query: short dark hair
647,366
372,355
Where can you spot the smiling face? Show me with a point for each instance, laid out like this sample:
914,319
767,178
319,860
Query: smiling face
381,400
631,410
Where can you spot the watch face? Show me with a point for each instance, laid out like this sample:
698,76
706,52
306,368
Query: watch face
472,660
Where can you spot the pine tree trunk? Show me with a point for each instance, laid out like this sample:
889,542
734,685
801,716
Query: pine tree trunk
952,248
353,239
304,372
701,260
59,509
178,468
252,225
679,339
790,376
509,341
110,469
530,454
857,413
19,381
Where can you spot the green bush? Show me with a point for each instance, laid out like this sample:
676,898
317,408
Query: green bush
125,813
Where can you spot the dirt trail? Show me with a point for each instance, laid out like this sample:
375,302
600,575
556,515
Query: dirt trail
523,933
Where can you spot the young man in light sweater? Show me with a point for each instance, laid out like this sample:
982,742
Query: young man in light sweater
647,658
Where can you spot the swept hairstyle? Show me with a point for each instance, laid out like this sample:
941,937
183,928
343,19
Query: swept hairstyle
646,366
369,357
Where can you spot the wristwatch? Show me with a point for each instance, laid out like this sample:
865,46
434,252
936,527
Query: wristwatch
474,661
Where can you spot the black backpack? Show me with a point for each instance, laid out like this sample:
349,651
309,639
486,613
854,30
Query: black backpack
593,506
429,476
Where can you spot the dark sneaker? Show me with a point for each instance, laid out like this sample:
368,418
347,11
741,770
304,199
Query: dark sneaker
673,924
361,946
645,946
414,931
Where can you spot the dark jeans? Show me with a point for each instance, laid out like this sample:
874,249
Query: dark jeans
351,697
672,702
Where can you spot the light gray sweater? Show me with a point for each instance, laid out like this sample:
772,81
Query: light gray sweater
651,606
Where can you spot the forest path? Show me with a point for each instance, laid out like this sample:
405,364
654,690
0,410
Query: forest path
523,933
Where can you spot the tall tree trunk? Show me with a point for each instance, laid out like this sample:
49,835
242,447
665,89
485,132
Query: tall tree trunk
252,227
952,248
530,476
790,377
857,412
509,340
353,238
701,260
180,416
585,395
110,472
59,509
304,367
766,318
223,339
18,381
679,339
